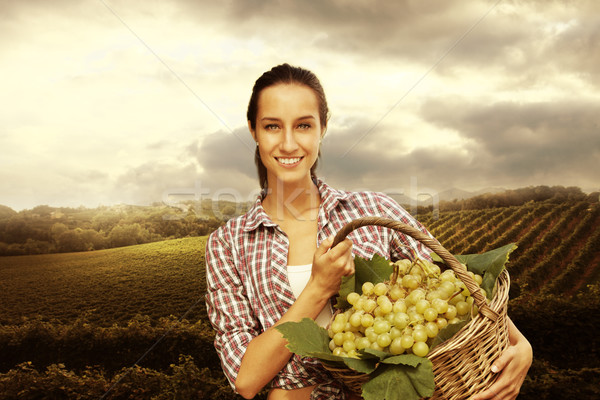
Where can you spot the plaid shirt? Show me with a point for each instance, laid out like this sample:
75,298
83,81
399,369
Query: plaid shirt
247,284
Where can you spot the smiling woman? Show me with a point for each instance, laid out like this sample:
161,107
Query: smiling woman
250,261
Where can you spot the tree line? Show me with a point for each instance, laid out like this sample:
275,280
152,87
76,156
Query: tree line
44,229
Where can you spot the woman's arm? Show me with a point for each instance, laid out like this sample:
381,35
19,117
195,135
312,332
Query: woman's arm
513,364
266,353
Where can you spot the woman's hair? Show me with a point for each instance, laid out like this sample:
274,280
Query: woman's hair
285,74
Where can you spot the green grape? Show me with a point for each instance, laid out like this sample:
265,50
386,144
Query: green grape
355,319
410,281
366,320
349,336
430,314
341,318
396,346
432,329
478,279
451,313
396,293
338,326
415,317
420,349
446,290
407,341
338,339
422,305
454,320
401,320
371,335
441,322
389,318
332,345
386,307
349,345
455,299
352,297
352,353
420,335
384,340
448,276
362,343
378,313
441,306
380,289
375,346
399,306
367,288
462,308
433,295
360,304
370,305
381,326
338,351
403,266
395,332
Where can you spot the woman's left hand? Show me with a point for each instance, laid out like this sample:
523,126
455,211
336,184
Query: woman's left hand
512,365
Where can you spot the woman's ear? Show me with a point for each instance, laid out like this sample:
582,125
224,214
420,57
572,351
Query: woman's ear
252,131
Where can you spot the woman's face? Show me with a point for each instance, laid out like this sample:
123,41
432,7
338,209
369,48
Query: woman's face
288,132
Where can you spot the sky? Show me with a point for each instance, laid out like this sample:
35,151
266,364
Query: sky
108,102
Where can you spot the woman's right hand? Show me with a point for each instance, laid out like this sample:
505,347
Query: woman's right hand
331,264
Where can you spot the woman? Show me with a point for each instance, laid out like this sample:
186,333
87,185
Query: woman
275,263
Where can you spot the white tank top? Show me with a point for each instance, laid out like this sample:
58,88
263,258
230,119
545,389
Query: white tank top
298,275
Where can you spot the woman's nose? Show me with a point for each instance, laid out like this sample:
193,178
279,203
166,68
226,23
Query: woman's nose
289,143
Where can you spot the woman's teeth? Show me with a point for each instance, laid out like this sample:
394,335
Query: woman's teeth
289,161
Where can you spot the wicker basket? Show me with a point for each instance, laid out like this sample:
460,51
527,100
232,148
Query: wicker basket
461,364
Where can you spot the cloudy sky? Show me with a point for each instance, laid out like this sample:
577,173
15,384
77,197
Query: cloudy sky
113,101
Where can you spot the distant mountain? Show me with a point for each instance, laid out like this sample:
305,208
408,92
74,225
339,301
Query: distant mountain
459,194
445,195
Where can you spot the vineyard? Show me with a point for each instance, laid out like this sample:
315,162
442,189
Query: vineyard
130,323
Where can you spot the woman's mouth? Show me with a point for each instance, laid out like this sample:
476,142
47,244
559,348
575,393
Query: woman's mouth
288,160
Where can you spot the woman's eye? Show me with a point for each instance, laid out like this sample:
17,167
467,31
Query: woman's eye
271,127
304,126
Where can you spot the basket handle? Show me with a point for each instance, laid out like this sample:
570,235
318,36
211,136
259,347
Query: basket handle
432,244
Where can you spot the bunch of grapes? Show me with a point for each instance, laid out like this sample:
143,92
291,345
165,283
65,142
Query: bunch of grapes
404,314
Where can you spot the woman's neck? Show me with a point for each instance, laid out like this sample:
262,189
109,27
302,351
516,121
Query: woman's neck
286,201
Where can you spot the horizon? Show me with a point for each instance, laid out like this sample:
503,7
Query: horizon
408,200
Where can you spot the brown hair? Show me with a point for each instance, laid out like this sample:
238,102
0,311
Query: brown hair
285,74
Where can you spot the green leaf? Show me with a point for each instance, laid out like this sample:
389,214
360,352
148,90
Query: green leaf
305,337
372,353
406,359
366,366
489,264
375,270
400,382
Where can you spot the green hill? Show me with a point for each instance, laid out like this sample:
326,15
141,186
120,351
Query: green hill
110,286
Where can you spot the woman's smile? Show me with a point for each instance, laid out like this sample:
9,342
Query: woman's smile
289,161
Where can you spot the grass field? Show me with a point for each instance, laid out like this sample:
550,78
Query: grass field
110,286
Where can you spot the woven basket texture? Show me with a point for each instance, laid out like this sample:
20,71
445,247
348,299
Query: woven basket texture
461,364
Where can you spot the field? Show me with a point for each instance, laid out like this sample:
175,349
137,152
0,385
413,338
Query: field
130,322
109,286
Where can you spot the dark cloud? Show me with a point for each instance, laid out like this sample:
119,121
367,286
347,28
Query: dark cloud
556,141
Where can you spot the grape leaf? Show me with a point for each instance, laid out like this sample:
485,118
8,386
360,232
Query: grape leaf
489,264
375,270
406,359
305,337
400,382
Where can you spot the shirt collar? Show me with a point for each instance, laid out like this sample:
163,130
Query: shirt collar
257,215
